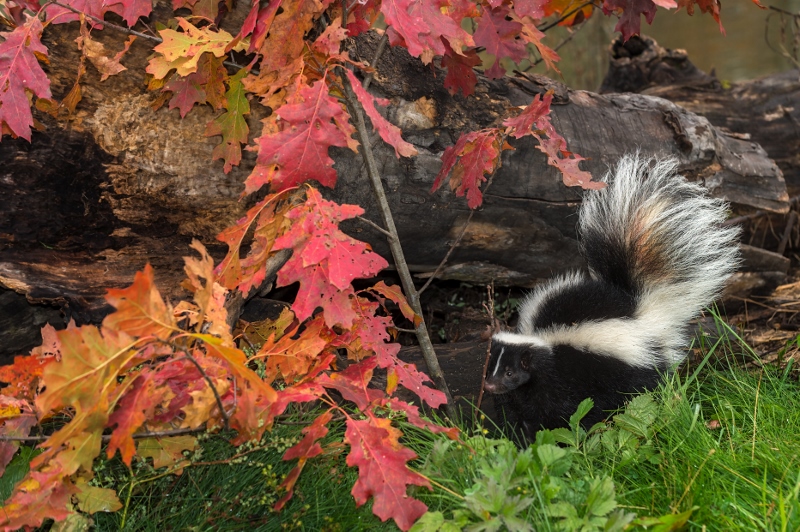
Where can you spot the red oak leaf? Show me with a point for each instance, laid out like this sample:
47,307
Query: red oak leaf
325,260
205,85
140,309
20,71
629,12
532,117
390,133
395,293
408,376
382,470
284,30
40,495
535,121
460,71
298,150
423,27
706,6
361,16
209,295
306,448
531,34
353,383
136,406
500,37
474,154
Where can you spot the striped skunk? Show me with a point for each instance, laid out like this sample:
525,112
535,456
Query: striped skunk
657,255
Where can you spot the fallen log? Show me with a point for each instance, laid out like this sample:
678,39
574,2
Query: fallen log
98,194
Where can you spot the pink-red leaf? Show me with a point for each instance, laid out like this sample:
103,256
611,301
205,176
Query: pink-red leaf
460,71
390,133
297,150
423,27
499,36
475,154
383,473
20,71
325,260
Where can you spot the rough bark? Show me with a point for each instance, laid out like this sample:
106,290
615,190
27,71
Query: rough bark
97,195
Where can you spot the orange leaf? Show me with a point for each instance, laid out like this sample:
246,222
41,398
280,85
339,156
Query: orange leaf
140,309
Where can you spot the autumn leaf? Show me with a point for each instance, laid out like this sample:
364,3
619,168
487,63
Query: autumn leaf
209,295
98,54
306,448
133,409
278,35
231,124
325,260
390,133
475,154
353,383
422,27
499,36
39,496
20,70
183,50
24,375
629,11
166,451
383,473
129,10
290,358
206,85
92,499
395,293
531,34
413,416
460,71
297,151
140,309
535,121
579,9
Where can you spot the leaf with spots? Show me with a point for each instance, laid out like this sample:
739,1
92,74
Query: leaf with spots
383,472
20,71
294,146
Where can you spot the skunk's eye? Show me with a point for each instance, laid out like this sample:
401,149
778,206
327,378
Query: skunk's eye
509,373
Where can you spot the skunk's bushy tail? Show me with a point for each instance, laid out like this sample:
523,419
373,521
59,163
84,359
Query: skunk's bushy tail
658,237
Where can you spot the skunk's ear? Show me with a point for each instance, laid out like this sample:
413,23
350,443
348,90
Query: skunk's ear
526,359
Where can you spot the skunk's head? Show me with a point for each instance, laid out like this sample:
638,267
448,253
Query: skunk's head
512,362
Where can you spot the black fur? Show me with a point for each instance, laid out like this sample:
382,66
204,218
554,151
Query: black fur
590,300
553,383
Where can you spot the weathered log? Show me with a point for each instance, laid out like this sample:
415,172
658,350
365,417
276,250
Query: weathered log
96,196
765,111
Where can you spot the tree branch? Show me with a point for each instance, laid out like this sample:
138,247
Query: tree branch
373,173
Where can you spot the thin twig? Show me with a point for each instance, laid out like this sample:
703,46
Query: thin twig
425,344
374,63
107,437
375,226
490,310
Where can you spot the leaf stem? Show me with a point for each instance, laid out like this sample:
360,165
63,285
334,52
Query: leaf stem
428,353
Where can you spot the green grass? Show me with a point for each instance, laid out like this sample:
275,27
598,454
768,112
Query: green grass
716,447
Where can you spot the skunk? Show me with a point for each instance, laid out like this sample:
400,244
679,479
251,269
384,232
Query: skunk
657,254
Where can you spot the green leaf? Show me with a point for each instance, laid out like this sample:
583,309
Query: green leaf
600,500
583,409
16,470
430,522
